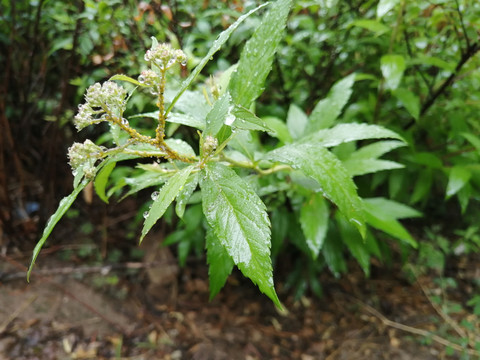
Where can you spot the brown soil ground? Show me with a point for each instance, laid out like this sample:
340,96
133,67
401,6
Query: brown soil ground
64,313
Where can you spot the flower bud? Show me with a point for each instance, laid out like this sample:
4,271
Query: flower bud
84,156
164,56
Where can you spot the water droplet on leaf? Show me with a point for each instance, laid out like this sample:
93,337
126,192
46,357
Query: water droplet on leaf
155,195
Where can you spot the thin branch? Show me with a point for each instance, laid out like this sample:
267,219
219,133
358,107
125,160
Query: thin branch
462,24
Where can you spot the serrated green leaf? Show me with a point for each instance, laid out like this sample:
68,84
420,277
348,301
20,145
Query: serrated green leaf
176,118
143,181
380,218
329,109
458,177
217,44
296,121
279,128
63,206
181,147
219,261
166,195
357,167
392,67
394,209
126,78
102,178
377,149
240,222
344,133
375,26
256,59
384,6
314,221
324,167
247,120
409,100
185,194
354,243
217,115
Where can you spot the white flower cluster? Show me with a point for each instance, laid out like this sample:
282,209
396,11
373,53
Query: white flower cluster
148,78
100,98
84,156
164,56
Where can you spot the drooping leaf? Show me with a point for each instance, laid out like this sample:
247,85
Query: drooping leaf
279,128
392,67
458,177
217,116
409,100
240,222
217,44
320,164
343,133
328,110
384,6
220,264
247,82
296,121
382,214
314,221
63,206
185,194
102,178
165,197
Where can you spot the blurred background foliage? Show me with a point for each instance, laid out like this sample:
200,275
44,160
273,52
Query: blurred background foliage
417,67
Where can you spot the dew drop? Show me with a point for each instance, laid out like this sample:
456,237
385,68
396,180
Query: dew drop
145,214
124,122
74,172
184,63
229,119
155,195
141,79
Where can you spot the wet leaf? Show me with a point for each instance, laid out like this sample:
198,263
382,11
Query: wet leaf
63,206
126,78
375,26
165,197
257,56
219,261
296,121
392,67
239,220
320,164
176,118
409,100
458,177
384,6
328,110
102,178
185,194
217,115
314,221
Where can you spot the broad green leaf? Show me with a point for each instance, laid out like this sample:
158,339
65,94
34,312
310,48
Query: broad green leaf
392,67
220,264
247,120
185,194
279,128
357,167
328,110
474,140
181,147
458,177
176,118
296,121
379,216
392,208
320,164
256,59
375,26
165,197
354,243
217,44
433,61
218,115
64,205
427,159
409,100
344,133
240,222
332,252
102,178
376,149
314,221
384,6
143,181
126,78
